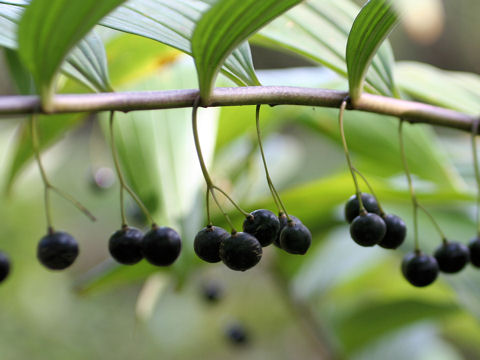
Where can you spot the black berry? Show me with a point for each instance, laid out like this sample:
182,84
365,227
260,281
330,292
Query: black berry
125,245
368,229
57,250
161,245
236,334
474,247
207,243
419,269
212,291
452,257
263,224
295,238
352,207
4,266
240,251
282,218
396,232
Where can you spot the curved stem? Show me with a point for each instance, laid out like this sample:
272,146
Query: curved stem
477,172
47,185
198,148
371,190
208,180
207,204
43,174
278,201
223,211
243,212
121,179
410,185
347,155
434,222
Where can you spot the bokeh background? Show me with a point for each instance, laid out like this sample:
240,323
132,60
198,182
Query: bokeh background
339,301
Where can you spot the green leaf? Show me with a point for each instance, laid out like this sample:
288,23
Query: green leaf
172,23
223,27
455,90
164,169
48,30
318,31
371,26
385,317
87,62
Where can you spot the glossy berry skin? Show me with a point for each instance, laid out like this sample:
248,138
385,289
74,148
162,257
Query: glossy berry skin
474,247
207,243
452,257
125,245
282,218
240,251
419,269
352,207
295,238
4,266
57,250
396,232
161,246
237,334
263,224
368,229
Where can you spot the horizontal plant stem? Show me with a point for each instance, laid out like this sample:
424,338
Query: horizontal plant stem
411,111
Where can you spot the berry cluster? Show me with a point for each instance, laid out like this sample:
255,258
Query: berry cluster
370,225
242,250
160,246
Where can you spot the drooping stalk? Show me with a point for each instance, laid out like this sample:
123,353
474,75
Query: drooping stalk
371,190
347,155
47,185
121,180
477,172
211,187
278,201
415,203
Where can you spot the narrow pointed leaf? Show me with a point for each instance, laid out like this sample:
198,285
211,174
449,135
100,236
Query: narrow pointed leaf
87,62
372,25
224,27
172,23
48,30
318,31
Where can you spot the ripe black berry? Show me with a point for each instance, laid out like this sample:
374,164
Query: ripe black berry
161,245
474,247
295,238
240,251
4,266
212,291
57,250
263,224
396,232
236,334
352,207
282,218
368,229
125,245
207,243
452,257
419,269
